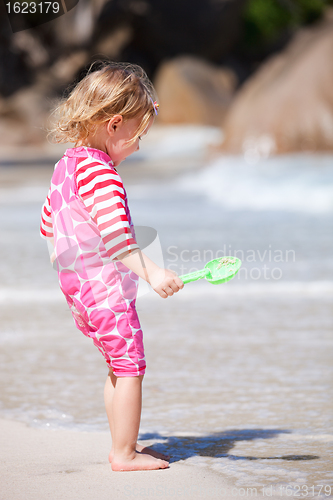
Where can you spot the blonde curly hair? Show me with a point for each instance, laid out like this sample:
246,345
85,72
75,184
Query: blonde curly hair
112,89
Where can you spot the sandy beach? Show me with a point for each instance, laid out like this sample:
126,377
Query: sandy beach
236,169
238,384
59,465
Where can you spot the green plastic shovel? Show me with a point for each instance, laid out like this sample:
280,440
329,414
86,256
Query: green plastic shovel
216,271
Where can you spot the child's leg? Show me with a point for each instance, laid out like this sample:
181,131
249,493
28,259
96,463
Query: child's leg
108,399
109,389
124,412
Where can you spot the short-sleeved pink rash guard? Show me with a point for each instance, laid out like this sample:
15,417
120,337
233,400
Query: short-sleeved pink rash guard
86,214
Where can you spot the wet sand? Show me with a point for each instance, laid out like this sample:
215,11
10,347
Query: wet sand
247,403
60,465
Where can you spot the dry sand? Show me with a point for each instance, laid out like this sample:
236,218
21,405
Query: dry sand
39,464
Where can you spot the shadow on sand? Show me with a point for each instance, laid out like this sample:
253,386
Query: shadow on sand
217,444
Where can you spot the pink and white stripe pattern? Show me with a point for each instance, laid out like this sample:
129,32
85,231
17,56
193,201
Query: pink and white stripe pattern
103,194
46,227
87,215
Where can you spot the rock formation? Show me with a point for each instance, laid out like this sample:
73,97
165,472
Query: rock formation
287,105
191,90
37,64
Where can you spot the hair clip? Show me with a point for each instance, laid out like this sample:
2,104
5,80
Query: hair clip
155,106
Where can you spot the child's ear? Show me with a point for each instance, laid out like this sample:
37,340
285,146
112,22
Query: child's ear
114,123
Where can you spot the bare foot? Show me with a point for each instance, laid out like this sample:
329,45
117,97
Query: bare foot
147,451
140,461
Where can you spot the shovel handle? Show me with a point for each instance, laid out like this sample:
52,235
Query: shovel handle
196,275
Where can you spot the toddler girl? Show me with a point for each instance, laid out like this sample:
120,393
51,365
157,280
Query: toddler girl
87,220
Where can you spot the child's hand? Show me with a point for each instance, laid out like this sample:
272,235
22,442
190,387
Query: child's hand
166,283
163,281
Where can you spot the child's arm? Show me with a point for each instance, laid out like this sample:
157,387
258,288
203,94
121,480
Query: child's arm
104,196
163,281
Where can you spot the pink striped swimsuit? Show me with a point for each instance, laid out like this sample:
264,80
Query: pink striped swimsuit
87,216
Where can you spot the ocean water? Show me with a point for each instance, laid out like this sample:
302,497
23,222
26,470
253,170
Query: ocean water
239,376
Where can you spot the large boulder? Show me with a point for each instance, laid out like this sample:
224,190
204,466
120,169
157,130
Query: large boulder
287,105
191,90
38,63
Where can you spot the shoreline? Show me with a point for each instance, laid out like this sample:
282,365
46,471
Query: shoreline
61,464
237,386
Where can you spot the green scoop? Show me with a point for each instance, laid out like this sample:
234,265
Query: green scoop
216,271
